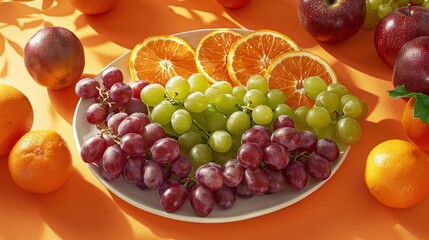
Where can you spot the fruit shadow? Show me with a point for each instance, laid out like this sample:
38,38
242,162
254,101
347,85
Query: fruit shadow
65,100
80,210
186,15
17,209
359,53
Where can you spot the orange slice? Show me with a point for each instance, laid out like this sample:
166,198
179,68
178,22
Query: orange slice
253,53
158,58
211,54
288,71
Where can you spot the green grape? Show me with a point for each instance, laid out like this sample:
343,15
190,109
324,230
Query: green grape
402,2
275,97
239,92
181,121
198,83
344,99
152,94
328,100
300,117
373,4
217,121
313,86
326,132
199,155
426,4
222,158
197,116
338,89
210,110
189,139
177,87
284,109
238,123
262,114
224,87
383,10
162,112
220,141
348,130
196,102
257,82
318,117
212,94
417,2
364,112
254,97
227,104
353,108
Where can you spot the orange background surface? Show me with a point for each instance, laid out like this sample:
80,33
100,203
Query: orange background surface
84,209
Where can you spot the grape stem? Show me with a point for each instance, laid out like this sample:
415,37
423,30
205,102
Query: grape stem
181,106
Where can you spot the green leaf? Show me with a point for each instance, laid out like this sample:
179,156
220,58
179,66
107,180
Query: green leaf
421,105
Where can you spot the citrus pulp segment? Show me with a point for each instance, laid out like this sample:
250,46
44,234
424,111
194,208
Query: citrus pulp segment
211,54
158,58
288,71
253,53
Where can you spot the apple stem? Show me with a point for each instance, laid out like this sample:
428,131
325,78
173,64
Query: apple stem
409,9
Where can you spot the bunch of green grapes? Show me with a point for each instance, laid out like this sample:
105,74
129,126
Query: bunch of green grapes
208,120
336,112
378,9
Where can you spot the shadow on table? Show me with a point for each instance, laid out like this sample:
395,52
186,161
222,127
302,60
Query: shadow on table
140,19
80,210
65,100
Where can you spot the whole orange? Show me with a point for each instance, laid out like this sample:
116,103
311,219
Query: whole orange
397,173
40,161
93,6
415,128
16,117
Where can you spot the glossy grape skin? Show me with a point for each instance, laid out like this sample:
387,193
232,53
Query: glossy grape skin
210,177
132,170
225,197
87,88
275,155
318,167
95,114
296,175
255,135
115,120
153,174
328,149
202,200
120,93
130,125
277,181
250,155
181,166
135,105
256,180
133,144
113,160
165,150
137,87
308,141
173,197
93,148
232,173
283,121
287,137
110,76
152,133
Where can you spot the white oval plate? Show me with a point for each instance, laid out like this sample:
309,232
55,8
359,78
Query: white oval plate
149,200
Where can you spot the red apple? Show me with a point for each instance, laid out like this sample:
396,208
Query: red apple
332,21
233,3
399,27
411,67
